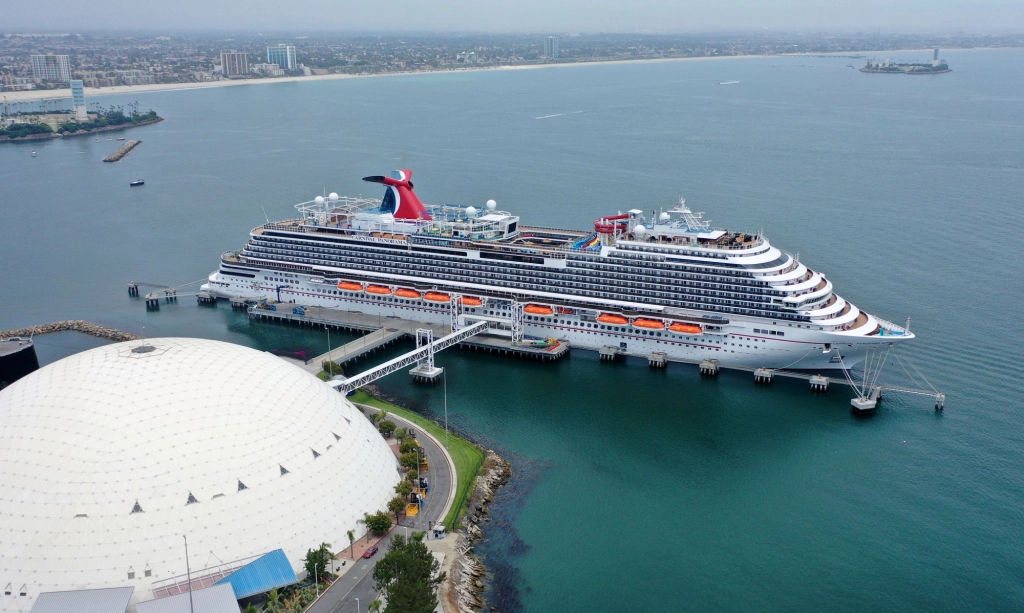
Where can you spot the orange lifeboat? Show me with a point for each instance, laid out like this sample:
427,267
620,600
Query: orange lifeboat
649,324
437,297
686,328
407,293
608,318
378,289
349,286
471,301
538,309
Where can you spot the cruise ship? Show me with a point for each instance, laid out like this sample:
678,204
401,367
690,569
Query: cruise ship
669,283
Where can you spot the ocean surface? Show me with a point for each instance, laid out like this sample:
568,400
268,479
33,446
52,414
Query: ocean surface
635,489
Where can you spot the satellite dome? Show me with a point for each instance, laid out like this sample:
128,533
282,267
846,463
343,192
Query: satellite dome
491,205
639,230
664,217
319,200
107,457
471,211
333,197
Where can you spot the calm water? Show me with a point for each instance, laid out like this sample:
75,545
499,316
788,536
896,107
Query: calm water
657,491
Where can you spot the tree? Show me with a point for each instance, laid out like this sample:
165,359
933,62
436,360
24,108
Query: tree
401,433
408,445
351,543
412,475
379,523
317,561
273,600
374,607
251,608
409,460
378,416
387,427
408,575
396,505
404,488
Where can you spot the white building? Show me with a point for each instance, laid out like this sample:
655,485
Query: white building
109,456
551,47
234,64
49,67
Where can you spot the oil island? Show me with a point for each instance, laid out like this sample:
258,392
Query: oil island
936,66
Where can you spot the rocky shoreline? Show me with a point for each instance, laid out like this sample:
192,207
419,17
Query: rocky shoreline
49,135
76,325
461,591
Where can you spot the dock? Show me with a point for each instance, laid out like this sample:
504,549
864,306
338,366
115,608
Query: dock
383,331
125,149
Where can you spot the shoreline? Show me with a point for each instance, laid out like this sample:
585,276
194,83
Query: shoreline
52,135
119,90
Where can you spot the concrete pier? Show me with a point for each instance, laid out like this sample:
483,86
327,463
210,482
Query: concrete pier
206,298
424,374
709,367
763,375
658,359
608,353
867,404
153,301
133,289
819,383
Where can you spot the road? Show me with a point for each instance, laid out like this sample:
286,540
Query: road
358,582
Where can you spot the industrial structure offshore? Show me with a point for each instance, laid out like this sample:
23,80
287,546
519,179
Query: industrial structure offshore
671,284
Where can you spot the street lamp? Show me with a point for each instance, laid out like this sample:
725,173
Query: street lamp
330,365
357,605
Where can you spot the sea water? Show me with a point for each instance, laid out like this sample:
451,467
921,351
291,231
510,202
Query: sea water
635,489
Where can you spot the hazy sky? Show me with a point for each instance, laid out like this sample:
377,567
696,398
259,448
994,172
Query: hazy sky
977,16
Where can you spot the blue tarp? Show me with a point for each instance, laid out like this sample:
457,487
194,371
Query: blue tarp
262,575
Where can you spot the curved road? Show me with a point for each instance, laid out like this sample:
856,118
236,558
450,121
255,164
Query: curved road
358,582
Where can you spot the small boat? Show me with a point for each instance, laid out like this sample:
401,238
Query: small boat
96,141
407,293
728,82
538,309
136,183
110,138
471,301
120,138
33,154
380,290
686,328
609,318
349,286
437,297
648,324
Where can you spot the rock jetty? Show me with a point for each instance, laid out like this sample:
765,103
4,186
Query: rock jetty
125,149
465,582
76,325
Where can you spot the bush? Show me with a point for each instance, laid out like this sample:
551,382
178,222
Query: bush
409,445
387,427
18,130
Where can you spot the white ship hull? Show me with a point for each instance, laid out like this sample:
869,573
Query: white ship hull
743,342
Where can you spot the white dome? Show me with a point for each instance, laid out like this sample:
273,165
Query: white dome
665,217
491,205
83,439
471,211
639,230
333,197
319,200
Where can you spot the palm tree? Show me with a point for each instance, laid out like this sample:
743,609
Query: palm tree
352,544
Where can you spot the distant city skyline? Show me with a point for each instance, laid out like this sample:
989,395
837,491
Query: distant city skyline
654,16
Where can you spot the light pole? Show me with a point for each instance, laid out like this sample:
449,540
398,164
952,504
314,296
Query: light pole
188,570
330,365
357,605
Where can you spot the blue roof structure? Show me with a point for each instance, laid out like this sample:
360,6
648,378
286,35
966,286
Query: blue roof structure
262,575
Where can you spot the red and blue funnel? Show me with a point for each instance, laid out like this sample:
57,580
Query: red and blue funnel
399,199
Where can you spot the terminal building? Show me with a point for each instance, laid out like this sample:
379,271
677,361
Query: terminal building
108,458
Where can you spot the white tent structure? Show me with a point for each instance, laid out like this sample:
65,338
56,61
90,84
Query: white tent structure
109,456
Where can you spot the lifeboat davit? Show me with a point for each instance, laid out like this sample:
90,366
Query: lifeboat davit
407,293
378,289
686,328
470,301
608,318
349,286
437,297
649,324
538,309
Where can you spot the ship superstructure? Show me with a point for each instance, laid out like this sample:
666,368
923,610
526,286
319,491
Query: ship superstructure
671,283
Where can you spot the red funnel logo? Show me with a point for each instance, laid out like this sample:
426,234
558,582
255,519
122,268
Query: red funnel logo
399,199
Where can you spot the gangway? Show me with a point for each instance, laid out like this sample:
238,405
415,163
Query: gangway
424,354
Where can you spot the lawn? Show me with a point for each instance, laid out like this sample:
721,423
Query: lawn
468,457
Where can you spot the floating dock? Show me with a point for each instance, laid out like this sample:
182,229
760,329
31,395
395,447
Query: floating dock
125,149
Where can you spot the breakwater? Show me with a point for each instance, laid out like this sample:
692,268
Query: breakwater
125,149
76,325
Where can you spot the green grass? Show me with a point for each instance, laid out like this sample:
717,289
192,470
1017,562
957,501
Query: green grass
468,458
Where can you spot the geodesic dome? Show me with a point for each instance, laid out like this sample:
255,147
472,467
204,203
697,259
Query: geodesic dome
109,456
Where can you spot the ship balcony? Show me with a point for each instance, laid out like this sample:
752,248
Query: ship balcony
830,309
810,283
784,277
823,287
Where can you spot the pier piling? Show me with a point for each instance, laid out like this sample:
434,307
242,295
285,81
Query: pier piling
133,289
819,383
658,359
153,301
763,375
709,367
608,353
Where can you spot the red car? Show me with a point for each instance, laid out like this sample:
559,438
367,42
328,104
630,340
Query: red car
369,552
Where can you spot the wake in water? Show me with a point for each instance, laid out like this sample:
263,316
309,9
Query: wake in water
559,115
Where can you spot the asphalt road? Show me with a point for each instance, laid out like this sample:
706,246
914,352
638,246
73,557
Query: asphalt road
358,582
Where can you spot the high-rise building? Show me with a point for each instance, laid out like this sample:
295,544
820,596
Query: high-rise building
282,55
78,100
49,67
551,47
234,64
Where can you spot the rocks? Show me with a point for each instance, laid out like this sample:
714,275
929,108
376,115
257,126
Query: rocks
73,324
466,577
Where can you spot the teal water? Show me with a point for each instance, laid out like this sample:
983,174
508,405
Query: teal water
635,489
